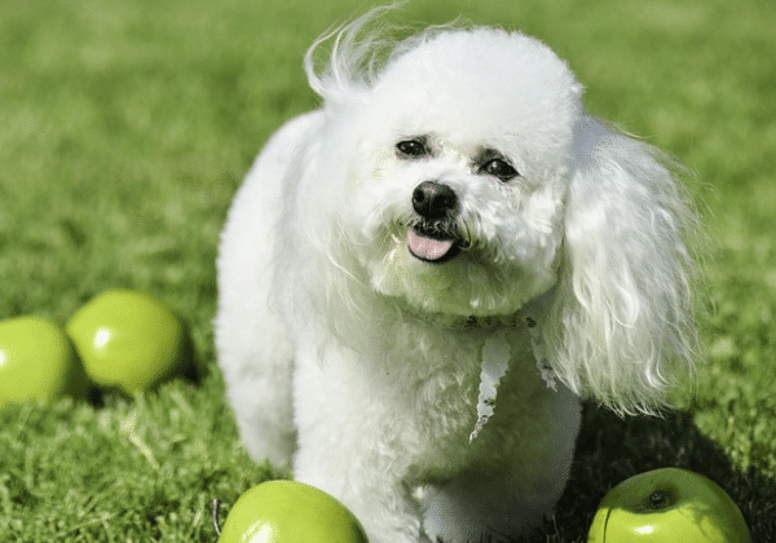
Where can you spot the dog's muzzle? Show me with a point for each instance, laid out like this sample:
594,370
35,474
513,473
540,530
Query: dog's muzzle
433,237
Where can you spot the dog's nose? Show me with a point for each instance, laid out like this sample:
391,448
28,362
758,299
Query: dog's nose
433,200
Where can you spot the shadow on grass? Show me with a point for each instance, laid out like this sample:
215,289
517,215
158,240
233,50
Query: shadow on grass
611,449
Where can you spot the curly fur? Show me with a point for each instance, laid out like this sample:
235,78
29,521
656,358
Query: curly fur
358,362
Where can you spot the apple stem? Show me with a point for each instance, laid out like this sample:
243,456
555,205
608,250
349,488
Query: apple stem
658,499
216,506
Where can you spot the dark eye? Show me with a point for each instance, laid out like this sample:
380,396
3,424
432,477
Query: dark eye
499,168
415,148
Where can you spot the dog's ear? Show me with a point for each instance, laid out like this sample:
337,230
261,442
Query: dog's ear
619,325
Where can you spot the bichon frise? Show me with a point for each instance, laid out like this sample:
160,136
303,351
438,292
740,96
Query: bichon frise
419,279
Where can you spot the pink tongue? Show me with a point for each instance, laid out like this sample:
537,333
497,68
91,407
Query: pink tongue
427,248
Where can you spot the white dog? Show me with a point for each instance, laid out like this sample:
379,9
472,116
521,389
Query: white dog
419,279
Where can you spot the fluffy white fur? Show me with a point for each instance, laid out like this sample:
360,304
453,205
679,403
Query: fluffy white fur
359,364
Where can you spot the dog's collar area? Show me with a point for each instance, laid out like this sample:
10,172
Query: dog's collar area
471,322
495,321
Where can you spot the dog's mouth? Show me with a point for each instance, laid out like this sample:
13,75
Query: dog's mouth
431,247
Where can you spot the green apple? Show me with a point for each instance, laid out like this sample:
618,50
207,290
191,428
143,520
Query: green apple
130,340
290,512
667,505
37,362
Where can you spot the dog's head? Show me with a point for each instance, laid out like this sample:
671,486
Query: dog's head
460,160
461,177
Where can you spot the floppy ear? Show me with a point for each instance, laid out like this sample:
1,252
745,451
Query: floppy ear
619,324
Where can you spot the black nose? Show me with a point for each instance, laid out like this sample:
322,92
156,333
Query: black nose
433,200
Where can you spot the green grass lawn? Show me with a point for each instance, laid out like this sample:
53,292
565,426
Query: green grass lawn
127,125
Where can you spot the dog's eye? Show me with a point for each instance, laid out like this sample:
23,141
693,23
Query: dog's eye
499,168
415,148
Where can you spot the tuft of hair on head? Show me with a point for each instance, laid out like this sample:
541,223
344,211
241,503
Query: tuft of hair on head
357,50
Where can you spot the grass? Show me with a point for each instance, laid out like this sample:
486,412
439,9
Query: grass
126,127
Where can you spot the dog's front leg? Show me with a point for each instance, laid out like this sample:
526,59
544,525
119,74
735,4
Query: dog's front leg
352,443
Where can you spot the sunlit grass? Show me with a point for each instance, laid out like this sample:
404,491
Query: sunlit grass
126,127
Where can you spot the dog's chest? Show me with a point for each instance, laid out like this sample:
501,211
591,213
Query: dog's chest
438,389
